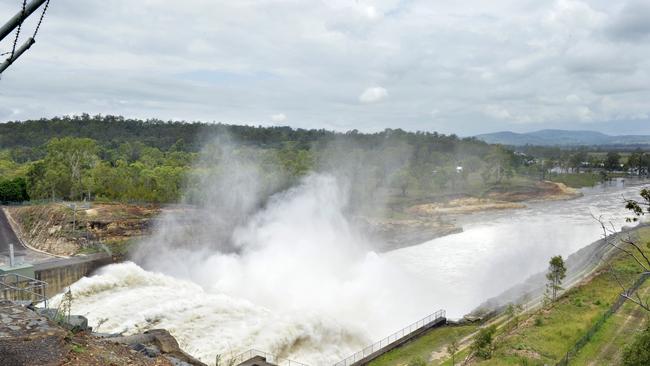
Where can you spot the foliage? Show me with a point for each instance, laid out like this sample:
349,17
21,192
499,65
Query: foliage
613,161
434,340
638,353
14,190
556,273
482,344
452,349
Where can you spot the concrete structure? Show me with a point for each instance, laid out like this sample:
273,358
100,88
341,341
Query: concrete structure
395,340
63,272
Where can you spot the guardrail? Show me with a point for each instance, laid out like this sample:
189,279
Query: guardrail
270,358
367,351
17,287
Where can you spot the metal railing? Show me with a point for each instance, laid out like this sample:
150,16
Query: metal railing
17,287
367,351
270,358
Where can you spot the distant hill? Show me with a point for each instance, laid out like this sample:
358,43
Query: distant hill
562,138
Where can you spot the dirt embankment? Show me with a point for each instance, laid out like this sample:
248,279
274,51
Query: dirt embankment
499,198
62,230
540,191
387,234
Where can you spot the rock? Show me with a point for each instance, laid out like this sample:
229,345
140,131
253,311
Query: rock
76,323
27,338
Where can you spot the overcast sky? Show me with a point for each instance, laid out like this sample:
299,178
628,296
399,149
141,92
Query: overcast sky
465,67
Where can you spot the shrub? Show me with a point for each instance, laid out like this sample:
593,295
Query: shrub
483,340
638,353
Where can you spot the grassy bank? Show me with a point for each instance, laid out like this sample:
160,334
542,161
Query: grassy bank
545,335
577,180
423,347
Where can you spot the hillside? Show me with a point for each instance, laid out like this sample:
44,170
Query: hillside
542,335
562,138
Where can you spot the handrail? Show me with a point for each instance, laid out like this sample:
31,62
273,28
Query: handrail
16,283
270,358
367,351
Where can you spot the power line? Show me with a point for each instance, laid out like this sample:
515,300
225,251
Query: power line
40,20
20,25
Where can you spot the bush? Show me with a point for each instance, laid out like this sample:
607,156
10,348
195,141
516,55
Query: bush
483,340
14,190
638,353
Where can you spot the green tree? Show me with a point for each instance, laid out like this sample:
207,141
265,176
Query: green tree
613,161
483,343
13,190
556,273
67,162
499,165
452,349
404,180
638,353
577,158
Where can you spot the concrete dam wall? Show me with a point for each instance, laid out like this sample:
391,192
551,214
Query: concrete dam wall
61,273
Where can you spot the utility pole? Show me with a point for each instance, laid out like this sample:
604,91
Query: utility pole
17,54
14,23
17,19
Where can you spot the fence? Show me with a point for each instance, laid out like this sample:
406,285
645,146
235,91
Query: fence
367,351
599,323
16,287
270,358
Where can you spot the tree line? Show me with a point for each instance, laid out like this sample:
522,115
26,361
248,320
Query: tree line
115,158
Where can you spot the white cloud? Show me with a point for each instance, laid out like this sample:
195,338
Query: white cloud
373,95
279,118
484,65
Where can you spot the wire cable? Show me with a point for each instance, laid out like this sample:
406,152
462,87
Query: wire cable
38,26
22,19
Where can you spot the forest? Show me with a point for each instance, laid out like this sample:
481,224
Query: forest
118,159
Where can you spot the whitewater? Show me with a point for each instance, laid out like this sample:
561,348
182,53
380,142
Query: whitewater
302,283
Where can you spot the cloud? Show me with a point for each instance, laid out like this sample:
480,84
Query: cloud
373,95
631,23
502,64
279,118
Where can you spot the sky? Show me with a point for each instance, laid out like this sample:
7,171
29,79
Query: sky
464,67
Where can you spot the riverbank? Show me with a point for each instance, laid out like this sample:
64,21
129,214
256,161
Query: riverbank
64,229
537,332
424,219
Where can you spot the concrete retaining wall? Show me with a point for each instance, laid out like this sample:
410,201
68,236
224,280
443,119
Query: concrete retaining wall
61,273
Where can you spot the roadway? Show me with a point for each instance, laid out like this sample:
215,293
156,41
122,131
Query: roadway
7,236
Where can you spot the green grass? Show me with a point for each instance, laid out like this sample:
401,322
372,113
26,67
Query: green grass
77,348
422,347
577,180
567,320
544,336
606,345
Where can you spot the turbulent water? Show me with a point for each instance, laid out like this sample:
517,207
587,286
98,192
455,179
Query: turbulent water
305,286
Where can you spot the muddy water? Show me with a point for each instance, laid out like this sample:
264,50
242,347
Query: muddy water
499,249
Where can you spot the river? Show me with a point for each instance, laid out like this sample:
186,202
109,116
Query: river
303,286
